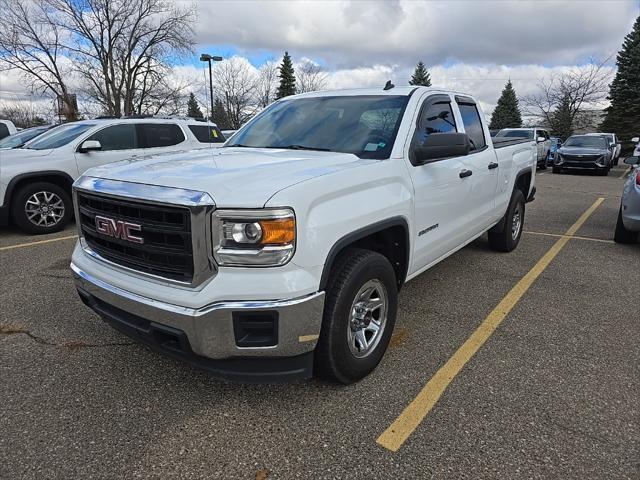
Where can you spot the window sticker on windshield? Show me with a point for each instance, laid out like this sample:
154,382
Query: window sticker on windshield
371,147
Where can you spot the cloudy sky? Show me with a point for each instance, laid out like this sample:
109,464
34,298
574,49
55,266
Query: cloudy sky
473,46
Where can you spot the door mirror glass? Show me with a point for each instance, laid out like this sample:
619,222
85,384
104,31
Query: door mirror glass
440,146
541,139
632,160
90,146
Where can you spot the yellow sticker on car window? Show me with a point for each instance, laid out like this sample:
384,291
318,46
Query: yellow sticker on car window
214,133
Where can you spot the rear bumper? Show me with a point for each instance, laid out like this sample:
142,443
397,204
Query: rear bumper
208,337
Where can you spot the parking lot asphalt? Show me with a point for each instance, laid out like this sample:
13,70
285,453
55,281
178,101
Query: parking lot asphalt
554,392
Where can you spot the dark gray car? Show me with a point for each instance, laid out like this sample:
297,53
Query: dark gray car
584,152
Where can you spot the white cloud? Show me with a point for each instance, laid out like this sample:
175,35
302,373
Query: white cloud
361,33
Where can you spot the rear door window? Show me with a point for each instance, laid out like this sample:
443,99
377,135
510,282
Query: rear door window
154,135
207,133
117,137
473,126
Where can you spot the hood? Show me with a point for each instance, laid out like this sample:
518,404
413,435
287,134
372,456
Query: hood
582,151
20,155
233,176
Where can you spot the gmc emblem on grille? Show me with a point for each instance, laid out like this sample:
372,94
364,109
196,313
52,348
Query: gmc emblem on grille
118,229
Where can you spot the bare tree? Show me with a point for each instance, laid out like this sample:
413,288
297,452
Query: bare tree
310,77
267,83
575,92
31,42
21,113
235,83
119,49
120,46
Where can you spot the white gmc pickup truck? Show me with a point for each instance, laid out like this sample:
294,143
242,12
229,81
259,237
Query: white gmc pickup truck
281,254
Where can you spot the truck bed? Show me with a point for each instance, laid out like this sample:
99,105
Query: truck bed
500,142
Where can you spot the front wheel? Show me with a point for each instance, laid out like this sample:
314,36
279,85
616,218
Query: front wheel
505,236
41,207
359,316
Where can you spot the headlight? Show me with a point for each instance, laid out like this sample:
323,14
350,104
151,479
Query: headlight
264,238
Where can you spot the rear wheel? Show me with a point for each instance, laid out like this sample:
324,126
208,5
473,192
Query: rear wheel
505,236
41,207
623,235
359,316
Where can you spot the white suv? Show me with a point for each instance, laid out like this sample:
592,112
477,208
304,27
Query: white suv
35,180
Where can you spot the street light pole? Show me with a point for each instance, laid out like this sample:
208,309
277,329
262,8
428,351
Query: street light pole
205,57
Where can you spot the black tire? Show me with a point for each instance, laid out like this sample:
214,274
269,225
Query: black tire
556,170
622,235
543,166
502,237
334,360
52,224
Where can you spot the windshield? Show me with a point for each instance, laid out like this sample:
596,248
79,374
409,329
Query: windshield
20,138
516,134
586,142
59,136
363,125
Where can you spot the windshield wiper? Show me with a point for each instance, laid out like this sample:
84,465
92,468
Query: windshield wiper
301,147
239,145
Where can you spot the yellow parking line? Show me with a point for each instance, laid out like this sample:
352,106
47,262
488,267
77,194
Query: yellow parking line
39,242
576,237
398,432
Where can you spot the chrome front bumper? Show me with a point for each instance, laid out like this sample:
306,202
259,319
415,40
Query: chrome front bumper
210,330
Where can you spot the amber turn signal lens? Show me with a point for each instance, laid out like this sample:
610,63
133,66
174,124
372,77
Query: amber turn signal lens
280,231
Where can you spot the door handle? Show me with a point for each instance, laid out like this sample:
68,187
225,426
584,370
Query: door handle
493,165
465,173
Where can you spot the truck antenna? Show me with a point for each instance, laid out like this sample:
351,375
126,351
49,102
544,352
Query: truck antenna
388,85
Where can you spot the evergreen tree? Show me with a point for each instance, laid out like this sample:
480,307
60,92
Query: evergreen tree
219,116
507,112
287,78
623,115
562,119
420,76
193,109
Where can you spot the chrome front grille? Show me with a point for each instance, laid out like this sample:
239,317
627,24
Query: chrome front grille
172,228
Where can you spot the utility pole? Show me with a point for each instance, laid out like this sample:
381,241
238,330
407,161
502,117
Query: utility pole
205,57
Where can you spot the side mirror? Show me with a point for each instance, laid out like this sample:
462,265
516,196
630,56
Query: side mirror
632,160
635,139
90,146
438,146
541,139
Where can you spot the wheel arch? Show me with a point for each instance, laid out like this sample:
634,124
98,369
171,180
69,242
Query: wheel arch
59,178
389,237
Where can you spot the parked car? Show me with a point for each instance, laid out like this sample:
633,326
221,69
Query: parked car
228,133
628,224
584,152
17,140
614,144
636,151
282,252
35,180
556,142
7,128
539,135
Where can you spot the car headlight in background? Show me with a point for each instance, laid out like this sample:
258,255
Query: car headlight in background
263,238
